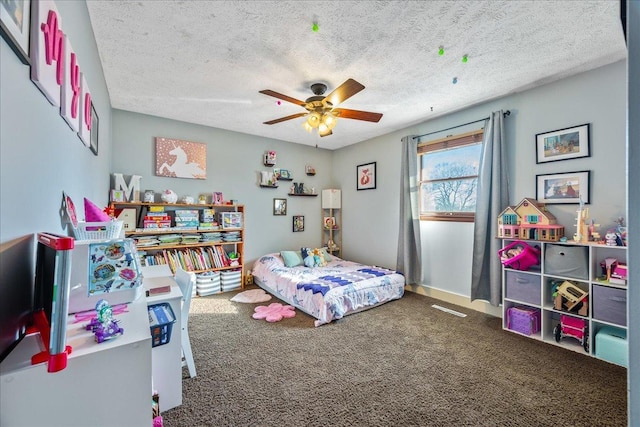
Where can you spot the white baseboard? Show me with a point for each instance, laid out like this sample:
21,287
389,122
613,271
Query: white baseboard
461,300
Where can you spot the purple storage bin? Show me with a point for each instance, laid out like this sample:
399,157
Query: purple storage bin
525,320
610,304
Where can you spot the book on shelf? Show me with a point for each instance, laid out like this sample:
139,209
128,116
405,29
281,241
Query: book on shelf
157,285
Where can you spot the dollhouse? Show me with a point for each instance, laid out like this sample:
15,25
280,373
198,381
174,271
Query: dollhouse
529,220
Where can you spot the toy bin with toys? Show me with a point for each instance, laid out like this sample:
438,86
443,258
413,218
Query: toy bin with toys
519,255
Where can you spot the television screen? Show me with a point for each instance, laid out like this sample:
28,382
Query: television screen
51,297
16,292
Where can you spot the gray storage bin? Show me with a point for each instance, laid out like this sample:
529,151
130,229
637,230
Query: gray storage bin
522,287
567,261
610,304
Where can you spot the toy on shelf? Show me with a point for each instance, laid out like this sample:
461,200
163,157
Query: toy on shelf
573,327
104,326
585,228
621,231
529,220
569,297
169,196
519,255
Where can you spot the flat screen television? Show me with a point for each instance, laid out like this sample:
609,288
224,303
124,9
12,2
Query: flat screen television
51,298
16,292
29,304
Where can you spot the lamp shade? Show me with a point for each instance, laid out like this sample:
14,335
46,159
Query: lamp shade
331,199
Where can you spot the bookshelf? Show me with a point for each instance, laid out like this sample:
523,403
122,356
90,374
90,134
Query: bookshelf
200,238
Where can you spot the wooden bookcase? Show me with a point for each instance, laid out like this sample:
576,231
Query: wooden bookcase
198,256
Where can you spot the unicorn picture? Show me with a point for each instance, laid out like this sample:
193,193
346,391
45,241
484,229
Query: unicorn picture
181,159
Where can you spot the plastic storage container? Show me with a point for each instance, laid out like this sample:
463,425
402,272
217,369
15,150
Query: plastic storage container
161,320
527,257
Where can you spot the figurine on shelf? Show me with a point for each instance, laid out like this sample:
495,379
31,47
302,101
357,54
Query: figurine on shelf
149,196
169,196
104,326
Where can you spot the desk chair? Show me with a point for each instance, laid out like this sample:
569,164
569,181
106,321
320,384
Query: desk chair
186,281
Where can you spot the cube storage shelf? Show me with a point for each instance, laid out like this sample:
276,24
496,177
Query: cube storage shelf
194,248
579,264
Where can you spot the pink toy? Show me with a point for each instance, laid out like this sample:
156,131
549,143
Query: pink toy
519,255
93,213
274,312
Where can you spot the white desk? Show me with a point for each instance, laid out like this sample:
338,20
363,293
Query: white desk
107,384
167,359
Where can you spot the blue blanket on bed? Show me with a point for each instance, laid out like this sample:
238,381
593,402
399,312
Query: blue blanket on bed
324,284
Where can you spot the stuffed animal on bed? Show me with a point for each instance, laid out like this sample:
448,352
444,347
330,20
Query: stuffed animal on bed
313,258
319,258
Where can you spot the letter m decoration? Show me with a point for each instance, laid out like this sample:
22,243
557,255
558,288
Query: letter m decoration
131,191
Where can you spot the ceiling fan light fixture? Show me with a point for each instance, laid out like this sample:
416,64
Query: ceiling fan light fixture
314,119
307,127
323,130
329,120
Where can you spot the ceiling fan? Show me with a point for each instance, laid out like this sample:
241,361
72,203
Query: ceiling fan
322,113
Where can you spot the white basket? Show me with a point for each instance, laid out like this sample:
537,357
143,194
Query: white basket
98,230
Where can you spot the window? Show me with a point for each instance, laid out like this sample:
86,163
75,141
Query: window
449,177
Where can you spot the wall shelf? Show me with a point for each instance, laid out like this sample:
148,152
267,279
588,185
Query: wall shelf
303,195
268,186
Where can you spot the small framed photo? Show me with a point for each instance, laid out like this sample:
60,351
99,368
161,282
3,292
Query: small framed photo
15,24
284,174
329,222
298,223
366,176
568,187
117,195
279,206
563,144
94,130
217,198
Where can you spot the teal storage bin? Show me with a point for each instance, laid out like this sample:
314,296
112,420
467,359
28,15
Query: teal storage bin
612,345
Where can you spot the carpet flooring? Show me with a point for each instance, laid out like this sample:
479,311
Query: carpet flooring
401,364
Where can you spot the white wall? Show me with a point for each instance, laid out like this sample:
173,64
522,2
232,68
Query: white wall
596,97
233,163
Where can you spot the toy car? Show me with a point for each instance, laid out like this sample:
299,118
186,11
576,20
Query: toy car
572,327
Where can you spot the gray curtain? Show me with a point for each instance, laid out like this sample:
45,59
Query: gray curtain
493,197
409,248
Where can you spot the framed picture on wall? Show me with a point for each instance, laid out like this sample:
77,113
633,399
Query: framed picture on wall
366,176
279,206
298,223
15,17
563,144
567,187
93,145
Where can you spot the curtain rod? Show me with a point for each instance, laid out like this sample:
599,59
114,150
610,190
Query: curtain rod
505,114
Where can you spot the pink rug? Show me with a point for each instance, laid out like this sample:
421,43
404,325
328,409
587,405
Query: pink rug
274,312
251,296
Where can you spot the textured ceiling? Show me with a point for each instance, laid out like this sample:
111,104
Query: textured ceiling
205,61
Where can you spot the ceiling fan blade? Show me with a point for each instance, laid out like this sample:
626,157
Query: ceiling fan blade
282,119
368,116
344,91
283,97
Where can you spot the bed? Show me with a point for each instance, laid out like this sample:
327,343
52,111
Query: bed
331,292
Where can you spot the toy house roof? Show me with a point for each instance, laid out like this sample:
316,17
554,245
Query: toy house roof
540,207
